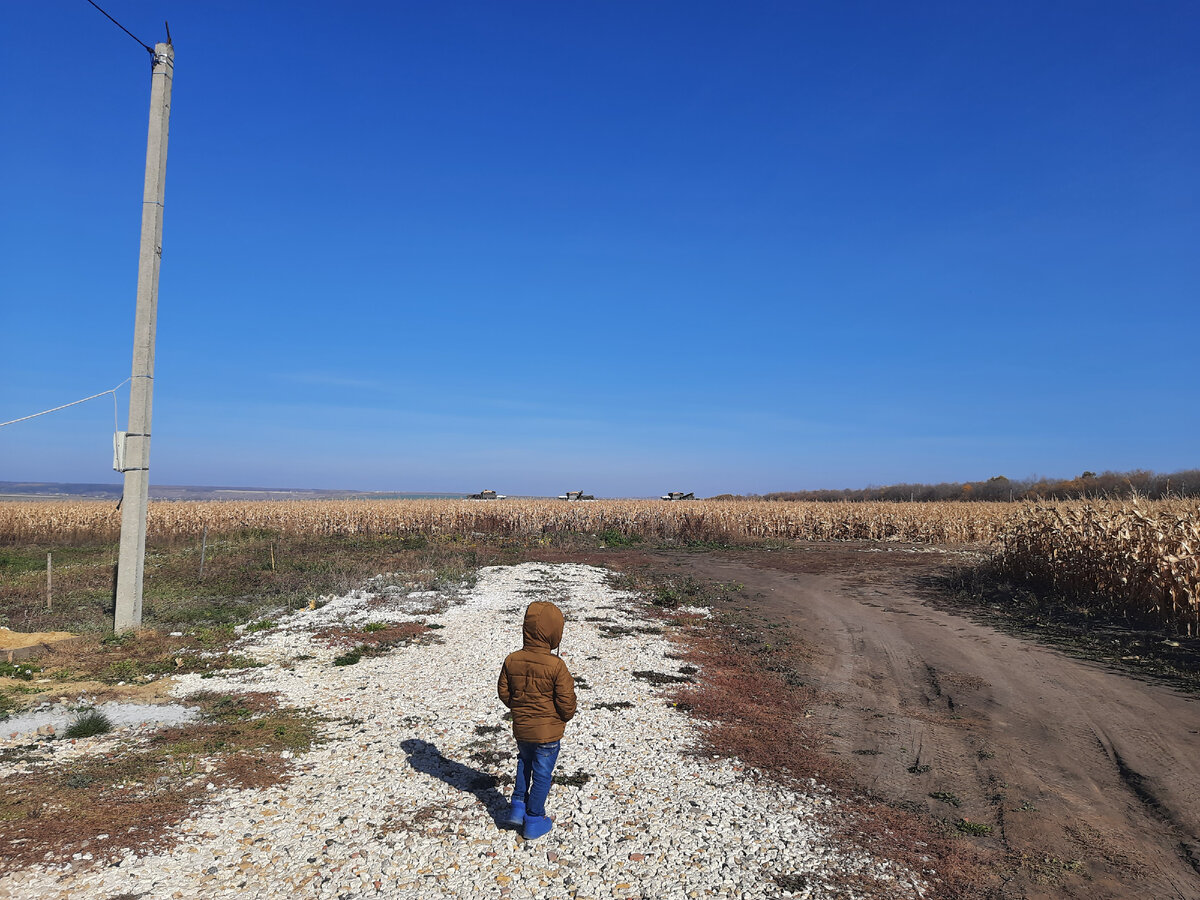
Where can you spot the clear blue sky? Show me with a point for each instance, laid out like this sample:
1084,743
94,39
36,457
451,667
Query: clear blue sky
627,247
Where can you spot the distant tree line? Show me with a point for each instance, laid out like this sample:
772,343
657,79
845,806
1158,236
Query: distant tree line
1116,485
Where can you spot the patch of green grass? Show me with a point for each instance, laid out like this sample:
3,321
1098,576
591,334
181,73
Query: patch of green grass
228,708
122,670
28,689
666,598
350,657
214,635
261,625
615,538
374,626
132,668
975,828
23,671
919,769
205,611
15,562
88,724
234,661
240,722
945,797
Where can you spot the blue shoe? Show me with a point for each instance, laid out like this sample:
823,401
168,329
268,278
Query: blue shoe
536,826
516,815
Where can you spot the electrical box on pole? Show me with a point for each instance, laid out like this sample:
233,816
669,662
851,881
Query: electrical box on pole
134,455
119,450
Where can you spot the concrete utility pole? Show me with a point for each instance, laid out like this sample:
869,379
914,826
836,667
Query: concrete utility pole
132,560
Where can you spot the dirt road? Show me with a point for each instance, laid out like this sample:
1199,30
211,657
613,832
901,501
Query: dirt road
1089,779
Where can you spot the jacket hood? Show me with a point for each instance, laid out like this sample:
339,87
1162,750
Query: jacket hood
543,626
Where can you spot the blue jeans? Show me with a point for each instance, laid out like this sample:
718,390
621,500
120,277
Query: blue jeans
535,766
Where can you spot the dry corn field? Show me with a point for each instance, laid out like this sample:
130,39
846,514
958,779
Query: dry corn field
1138,559
705,520
1134,559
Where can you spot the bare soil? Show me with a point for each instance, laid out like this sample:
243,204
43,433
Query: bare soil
1086,780
13,640
18,645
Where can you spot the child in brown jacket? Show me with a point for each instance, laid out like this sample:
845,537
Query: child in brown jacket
537,686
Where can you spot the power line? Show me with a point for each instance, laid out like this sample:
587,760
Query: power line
44,412
136,38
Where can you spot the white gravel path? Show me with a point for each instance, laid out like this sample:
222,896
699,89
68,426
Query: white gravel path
394,804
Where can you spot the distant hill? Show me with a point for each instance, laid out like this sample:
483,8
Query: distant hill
49,490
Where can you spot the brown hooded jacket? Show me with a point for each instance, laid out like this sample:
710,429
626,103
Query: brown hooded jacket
534,683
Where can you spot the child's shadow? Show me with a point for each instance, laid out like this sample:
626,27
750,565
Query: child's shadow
425,757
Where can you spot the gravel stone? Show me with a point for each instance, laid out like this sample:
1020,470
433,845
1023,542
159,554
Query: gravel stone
401,799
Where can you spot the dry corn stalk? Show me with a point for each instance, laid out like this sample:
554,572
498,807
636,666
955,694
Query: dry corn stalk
1136,559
